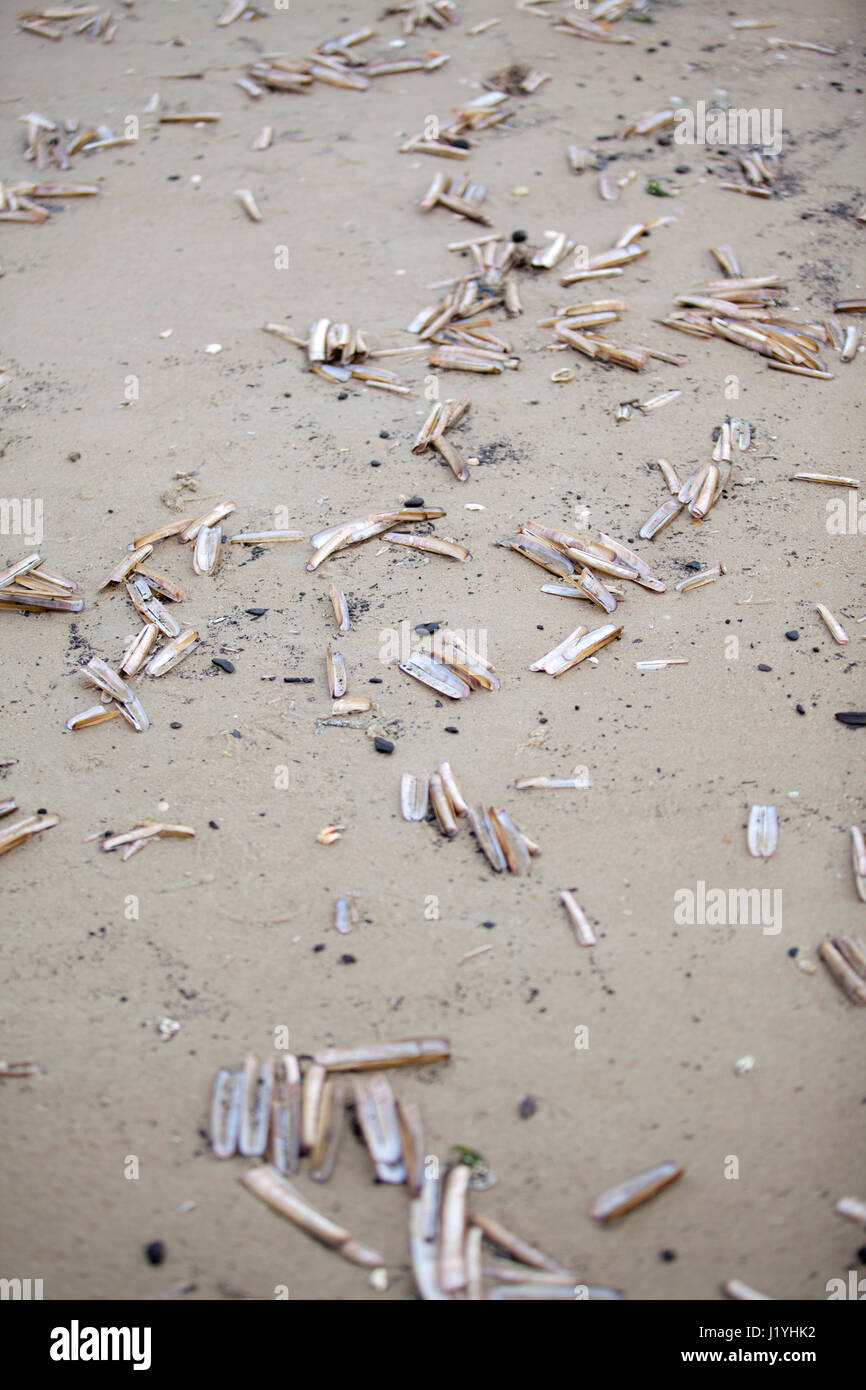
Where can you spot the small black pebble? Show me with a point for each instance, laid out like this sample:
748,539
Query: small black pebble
518,236
792,635
450,729
693,565
762,666
415,502
459,143
427,627
175,725
861,1255
683,169
257,612
527,1108
236,733
375,680
348,960
383,745
667,1255
793,951
155,1252
374,463
800,709
488,925
298,680
42,811
341,395
213,825
172,178
223,664
320,947
383,434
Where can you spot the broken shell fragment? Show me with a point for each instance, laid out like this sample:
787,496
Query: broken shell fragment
97,714
845,958
336,674
17,833
436,675
376,1113
340,607
404,1052
833,626
273,1188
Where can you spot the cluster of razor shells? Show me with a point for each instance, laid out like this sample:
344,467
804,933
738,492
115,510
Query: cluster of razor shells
501,841
293,1108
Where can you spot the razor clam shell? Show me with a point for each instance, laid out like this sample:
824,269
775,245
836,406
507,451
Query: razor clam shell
414,796
583,932
258,1085
336,674
161,584
102,675
433,674
29,562
13,597
403,1052
264,537
628,557
274,1189
452,790
858,861
853,950
341,916
763,831
15,834
96,714
423,1240
593,589
136,652
340,607
846,978
661,518
832,624
552,659
549,559
134,714
852,1207
217,513
485,834
172,653
511,841
206,552
225,1113
285,1141
592,642
453,1274
412,1144
129,562
431,544
513,1245
332,1123
622,1198
311,1105
442,807
735,1288
161,533
376,1113
476,676
9,804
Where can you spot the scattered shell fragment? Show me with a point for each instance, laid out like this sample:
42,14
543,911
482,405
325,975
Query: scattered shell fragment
336,674
833,626
172,653
579,921
845,958
413,797
19,831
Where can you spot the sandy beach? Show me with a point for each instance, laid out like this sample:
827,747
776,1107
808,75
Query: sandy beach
628,1050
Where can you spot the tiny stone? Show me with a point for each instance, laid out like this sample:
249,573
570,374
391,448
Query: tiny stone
374,463
223,663
320,947
257,612
527,1108
792,952
383,434
375,680
683,169
348,960
518,236
792,634
488,924
450,729
667,1255
213,825
415,502
155,1252
298,680
799,709
383,745
762,666
459,143
175,725
341,395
